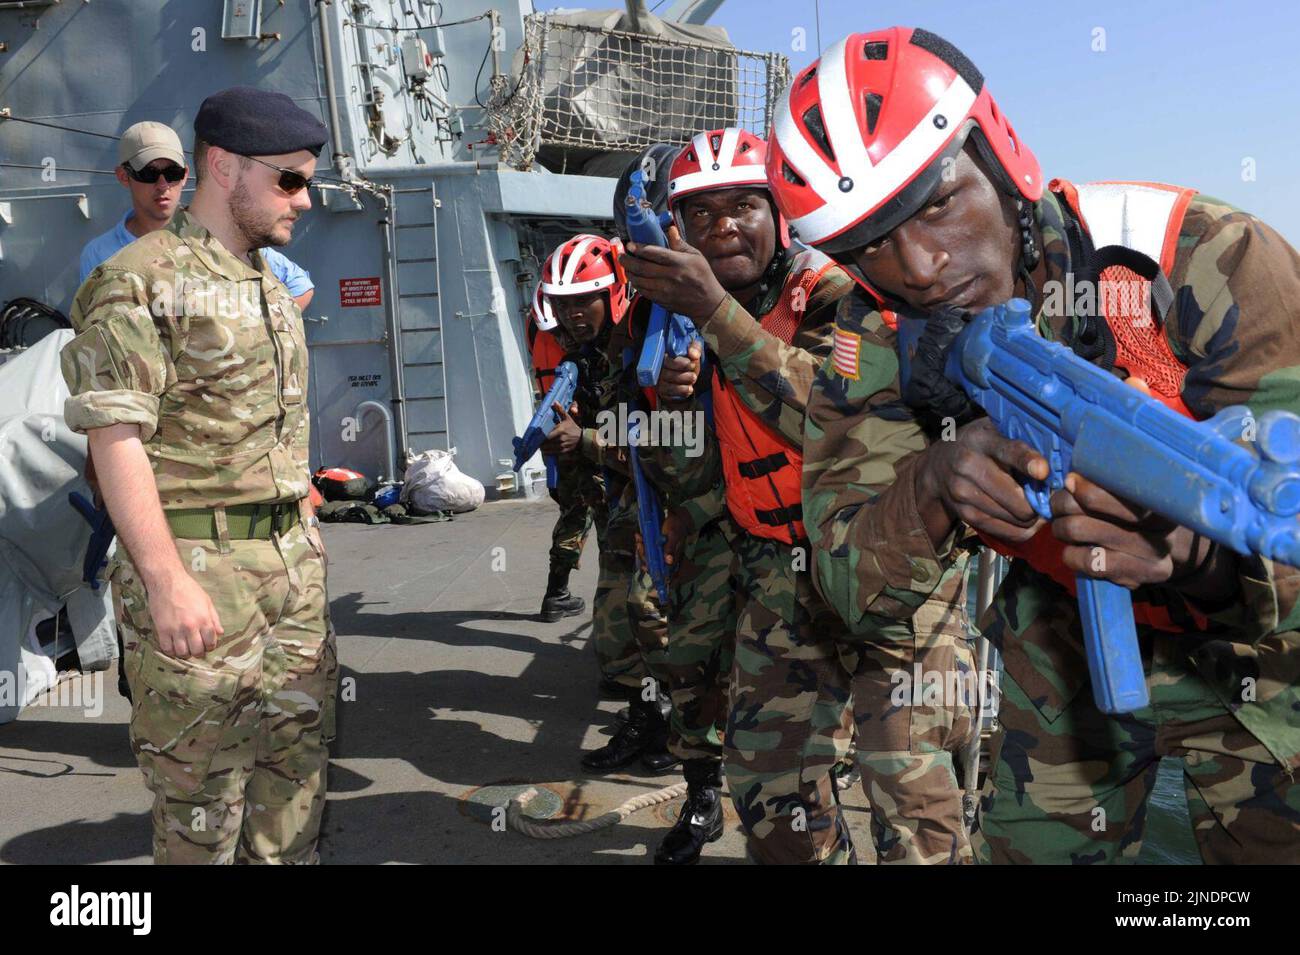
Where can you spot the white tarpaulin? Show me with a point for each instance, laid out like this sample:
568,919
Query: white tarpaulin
42,539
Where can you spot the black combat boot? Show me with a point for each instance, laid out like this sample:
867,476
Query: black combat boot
629,742
656,759
700,821
558,602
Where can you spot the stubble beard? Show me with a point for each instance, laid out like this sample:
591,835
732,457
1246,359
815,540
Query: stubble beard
255,224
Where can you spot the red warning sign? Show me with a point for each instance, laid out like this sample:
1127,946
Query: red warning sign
354,293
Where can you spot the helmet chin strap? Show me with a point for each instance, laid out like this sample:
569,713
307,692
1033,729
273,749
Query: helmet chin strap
1030,254
778,256
772,271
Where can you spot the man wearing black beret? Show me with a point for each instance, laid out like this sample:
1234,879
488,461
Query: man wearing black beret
188,375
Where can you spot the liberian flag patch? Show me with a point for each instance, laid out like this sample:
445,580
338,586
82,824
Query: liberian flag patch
847,347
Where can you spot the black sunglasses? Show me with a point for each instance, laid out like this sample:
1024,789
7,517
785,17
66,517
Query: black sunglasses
290,181
151,174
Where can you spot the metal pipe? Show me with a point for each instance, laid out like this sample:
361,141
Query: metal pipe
342,161
435,205
44,195
388,228
360,413
351,341
463,167
24,4
494,17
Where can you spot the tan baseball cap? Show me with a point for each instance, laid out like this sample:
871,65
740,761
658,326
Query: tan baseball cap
144,142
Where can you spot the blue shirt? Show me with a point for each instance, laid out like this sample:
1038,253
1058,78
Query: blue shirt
102,248
293,275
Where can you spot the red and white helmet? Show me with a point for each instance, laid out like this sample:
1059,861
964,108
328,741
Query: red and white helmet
543,316
859,138
583,264
727,158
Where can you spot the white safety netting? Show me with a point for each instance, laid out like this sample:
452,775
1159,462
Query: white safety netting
588,86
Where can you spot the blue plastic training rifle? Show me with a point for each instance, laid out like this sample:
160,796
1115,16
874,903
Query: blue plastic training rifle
545,420
667,333
649,514
1081,418
102,533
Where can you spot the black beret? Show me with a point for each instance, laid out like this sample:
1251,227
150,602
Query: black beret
255,122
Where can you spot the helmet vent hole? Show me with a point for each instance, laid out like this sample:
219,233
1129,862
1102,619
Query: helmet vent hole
812,119
876,50
808,77
745,147
791,176
874,102
715,142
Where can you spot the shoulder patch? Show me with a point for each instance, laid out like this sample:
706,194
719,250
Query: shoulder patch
848,350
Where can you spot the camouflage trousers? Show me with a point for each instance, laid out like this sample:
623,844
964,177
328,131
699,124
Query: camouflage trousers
915,693
801,688
570,535
581,501
701,642
629,629
232,744
1075,790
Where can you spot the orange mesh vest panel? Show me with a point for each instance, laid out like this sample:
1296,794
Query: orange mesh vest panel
1146,217
762,470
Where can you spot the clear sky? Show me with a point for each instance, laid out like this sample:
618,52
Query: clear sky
1197,93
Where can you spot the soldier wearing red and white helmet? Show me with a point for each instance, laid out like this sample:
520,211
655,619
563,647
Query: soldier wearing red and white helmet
861,139
578,492
581,272
730,158
873,133
584,292
766,311
890,154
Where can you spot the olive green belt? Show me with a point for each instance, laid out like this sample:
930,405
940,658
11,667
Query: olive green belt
243,521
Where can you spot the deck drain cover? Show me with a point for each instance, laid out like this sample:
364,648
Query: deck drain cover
480,802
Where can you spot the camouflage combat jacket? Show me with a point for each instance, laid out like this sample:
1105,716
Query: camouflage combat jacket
206,353
772,378
1236,307
600,371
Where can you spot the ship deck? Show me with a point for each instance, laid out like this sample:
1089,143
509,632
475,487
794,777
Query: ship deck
461,698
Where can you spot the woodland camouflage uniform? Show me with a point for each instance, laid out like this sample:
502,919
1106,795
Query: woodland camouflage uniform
1225,694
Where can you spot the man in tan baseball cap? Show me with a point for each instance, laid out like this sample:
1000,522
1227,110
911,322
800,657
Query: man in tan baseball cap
151,164
145,142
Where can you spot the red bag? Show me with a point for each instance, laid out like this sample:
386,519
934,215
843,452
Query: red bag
342,484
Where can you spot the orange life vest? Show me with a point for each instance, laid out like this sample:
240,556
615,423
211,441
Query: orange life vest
761,469
547,354
1147,218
